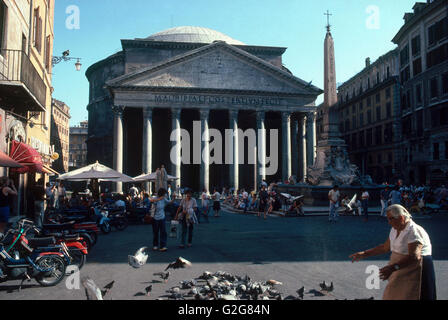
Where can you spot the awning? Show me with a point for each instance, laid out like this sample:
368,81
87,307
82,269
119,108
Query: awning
95,171
6,161
49,170
27,156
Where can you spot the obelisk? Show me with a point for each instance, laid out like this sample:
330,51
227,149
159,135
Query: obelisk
330,129
332,165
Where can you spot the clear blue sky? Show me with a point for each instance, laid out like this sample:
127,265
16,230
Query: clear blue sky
298,25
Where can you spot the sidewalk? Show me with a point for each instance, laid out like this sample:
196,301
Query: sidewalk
309,211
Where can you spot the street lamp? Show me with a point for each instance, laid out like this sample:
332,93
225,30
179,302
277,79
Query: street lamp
65,57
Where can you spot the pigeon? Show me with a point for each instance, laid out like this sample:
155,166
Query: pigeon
179,263
206,275
323,285
295,198
227,297
242,288
139,259
148,289
188,284
92,290
316,293
199,296
107,287
300,292
139,294
163,275
176,296
193,292
273,282
174,290
326,288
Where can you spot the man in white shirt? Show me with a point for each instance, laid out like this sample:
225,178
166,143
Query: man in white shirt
133,191
365,203
333,197
205,205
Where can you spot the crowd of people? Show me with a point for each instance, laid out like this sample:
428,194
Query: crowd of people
265,201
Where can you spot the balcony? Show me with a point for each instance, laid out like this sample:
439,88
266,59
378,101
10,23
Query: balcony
21,86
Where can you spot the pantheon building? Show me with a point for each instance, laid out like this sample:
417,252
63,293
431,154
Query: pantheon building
185,76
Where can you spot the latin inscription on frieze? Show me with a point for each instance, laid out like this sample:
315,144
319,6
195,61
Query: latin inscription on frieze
209,100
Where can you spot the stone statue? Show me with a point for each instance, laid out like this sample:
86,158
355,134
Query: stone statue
158,179
333,166
316,172
164,177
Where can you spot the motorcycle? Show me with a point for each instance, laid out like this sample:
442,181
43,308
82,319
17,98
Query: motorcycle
87,231
109,217
76,245
38,258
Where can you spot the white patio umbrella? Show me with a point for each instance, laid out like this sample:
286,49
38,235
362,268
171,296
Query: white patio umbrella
151,177
96,171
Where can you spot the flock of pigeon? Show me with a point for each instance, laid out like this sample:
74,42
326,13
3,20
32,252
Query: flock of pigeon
217,286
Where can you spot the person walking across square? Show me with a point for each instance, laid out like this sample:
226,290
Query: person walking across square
216,203
187,217
159,222
365,203
205,199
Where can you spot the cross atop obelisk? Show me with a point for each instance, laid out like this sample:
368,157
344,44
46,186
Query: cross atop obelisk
328,14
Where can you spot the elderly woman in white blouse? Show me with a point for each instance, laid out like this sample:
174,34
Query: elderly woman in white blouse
410,270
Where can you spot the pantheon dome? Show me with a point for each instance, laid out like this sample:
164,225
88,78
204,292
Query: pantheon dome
192,35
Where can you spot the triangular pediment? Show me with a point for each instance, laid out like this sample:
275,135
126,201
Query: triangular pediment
217,66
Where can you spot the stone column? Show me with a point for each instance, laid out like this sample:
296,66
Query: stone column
205,148
286,145
311,137
294,147
147,144
176,161
118,143
261,146
302,147
234,173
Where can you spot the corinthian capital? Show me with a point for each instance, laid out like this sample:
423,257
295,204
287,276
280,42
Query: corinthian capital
118,111
147,112
204,113
311,116
175,112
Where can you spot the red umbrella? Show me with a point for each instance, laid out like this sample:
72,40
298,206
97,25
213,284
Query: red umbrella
26,156
6,161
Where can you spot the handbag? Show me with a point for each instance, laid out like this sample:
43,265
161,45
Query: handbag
147,219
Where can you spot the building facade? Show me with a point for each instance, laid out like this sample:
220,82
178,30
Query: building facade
423,53
144,99
369,118
78,146
26,44
60,133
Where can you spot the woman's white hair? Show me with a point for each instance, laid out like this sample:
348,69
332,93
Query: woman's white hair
397,211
